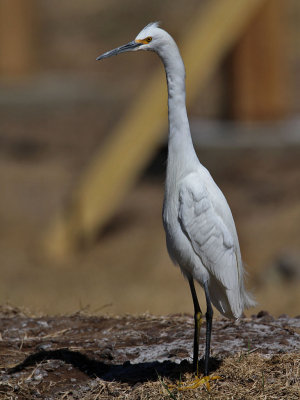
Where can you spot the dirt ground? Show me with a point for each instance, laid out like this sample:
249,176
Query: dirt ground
139,357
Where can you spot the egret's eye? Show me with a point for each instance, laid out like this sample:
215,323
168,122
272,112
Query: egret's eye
144,41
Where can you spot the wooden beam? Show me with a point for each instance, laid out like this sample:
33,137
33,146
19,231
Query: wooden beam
258,71
134,140
17,38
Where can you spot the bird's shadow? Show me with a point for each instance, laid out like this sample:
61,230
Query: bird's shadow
125,373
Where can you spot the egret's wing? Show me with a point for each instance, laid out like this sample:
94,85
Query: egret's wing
207,232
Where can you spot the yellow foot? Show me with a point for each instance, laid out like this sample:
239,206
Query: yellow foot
195,383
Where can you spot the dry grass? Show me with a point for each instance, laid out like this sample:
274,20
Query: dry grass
246,376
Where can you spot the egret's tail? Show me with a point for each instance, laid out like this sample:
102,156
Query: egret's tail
248,299
230,303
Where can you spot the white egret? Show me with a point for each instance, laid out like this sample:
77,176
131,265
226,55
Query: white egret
200,231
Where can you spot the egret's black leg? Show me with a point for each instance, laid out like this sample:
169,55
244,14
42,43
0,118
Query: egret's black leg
197,318
198,315
209,316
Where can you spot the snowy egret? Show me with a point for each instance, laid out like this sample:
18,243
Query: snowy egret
200,231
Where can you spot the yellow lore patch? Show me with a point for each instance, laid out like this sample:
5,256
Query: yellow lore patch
144,41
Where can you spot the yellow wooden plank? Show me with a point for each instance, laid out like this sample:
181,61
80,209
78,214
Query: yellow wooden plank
135,138
213,32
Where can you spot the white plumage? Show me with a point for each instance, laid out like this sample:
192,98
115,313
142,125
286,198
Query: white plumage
200,231
202,239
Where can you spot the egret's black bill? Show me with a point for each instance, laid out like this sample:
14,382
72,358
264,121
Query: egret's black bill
127,47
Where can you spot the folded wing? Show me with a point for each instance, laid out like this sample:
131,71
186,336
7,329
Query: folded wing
213,242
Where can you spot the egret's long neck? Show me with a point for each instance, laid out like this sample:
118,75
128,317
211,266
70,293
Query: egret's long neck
181,153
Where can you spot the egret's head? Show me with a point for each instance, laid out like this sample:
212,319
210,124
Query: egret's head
150,38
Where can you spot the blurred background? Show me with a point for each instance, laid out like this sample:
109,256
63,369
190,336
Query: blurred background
65,243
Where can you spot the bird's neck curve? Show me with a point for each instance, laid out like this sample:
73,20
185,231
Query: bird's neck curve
181,154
